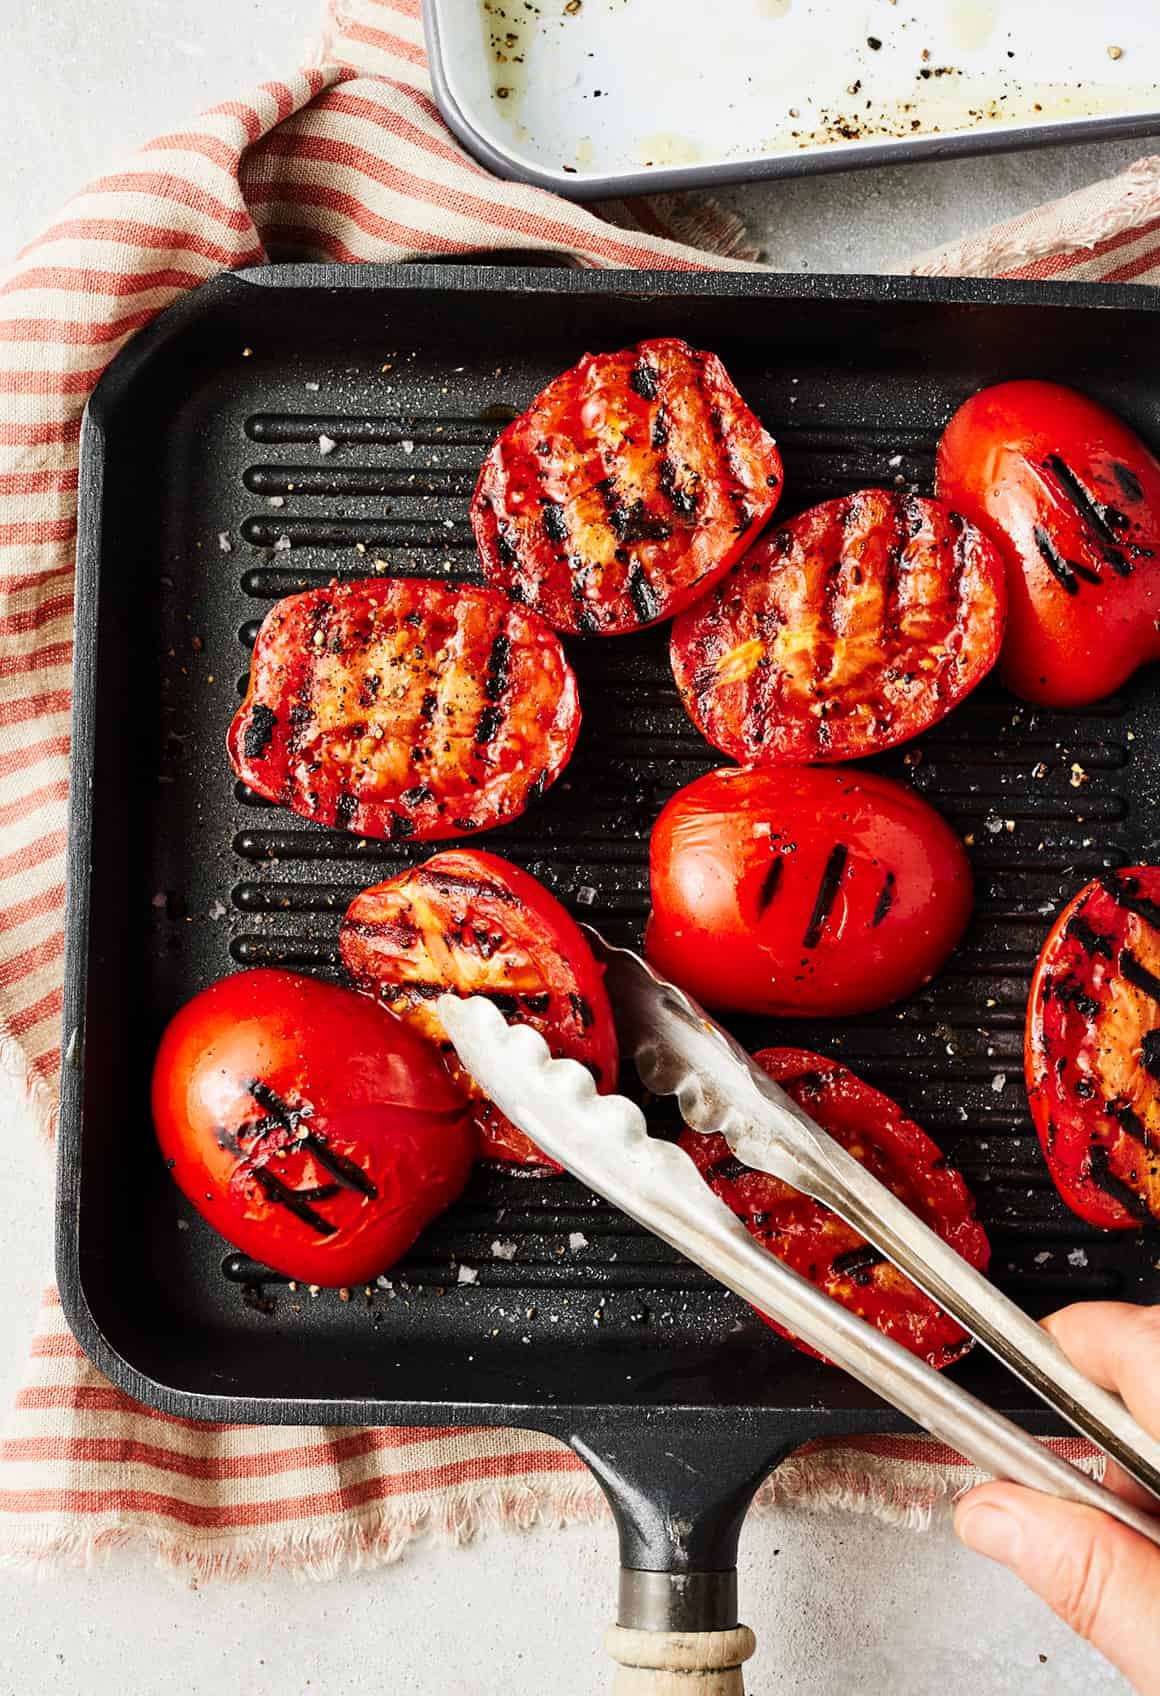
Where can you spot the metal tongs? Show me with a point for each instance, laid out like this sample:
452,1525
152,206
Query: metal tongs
603,1140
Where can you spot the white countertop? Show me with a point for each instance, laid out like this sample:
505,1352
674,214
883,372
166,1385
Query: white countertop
837,1603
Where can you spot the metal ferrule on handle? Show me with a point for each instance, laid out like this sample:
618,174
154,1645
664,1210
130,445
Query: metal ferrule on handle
604,1141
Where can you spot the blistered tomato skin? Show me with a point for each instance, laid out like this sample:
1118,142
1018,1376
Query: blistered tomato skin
803,890
405,708
1071,496
314,1131
632,482
471,923
851,628
1093,1050
815,1242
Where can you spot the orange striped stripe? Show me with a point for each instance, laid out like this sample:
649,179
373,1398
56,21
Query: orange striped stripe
33,907
14,581
246,115
102,1398
385,229
36,530
59,482
84,280
26,1019
33,854
33,618
1053,264
72,332
180,191
23,759
211,147
130,232
53,653
1134,268
13,811
31,959
325,150
394,123
387,42
48,382
278,1511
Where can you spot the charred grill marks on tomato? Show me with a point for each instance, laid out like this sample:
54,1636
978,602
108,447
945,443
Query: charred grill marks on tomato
885,900
683,472
1105,521
1067,572
857,1263
827,894
400,728
1125,892
1090,940
292,1200
259,731
1113,1185
770,884
1137,974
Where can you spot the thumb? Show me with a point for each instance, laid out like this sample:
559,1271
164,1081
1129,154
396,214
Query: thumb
1102,1579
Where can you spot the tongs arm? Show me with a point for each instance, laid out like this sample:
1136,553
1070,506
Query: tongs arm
604,1141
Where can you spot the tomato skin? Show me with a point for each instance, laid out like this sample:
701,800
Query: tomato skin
815,1242
777,919
1092,1049
1072,497
851,628
632,482
405,708
235,1069
467,922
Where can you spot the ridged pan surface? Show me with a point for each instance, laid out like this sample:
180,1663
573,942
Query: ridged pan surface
211,488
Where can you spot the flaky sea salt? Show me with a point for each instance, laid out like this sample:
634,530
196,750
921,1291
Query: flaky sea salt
586,895
326,444
468,1275
503,1251
999,1082
224,543
1076,1257
577,1239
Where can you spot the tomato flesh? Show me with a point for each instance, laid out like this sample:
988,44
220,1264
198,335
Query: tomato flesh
1072,497
853,627
628,487
823,1248
802,891
469,923
405,708
314,1131
1093,1050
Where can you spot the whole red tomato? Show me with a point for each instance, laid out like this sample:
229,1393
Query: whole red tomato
803,890
307,1125
1072,497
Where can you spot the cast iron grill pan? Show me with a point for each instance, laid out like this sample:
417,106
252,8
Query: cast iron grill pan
205,497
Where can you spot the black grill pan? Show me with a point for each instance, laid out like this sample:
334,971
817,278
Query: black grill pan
204,496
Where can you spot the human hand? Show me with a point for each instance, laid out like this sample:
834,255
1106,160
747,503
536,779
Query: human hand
1102,1579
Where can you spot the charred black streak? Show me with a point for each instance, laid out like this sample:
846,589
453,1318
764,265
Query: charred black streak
1125,892
273,1105
1105,1179
1150,1054
555,523
1130,486
770,884
682,500
885,900
276,1191
1136,973
1093,942
1104,520
827,894
642,594
1069,992
728,1168
537,1004
346,1172
258,733
399,828
857,1263
488,726
498,666
416,797
454,883
582,1009
642,380
1067,572
344,810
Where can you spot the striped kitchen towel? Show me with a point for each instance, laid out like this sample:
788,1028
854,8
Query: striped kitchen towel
345,160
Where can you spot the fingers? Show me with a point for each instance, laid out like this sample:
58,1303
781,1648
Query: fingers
1119,1347
1102,1579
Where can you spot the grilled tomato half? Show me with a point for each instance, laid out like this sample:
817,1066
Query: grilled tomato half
1093,1050
1072,497
803,890
405,708
853,627
627,488
313,1130
823,1248
467,923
